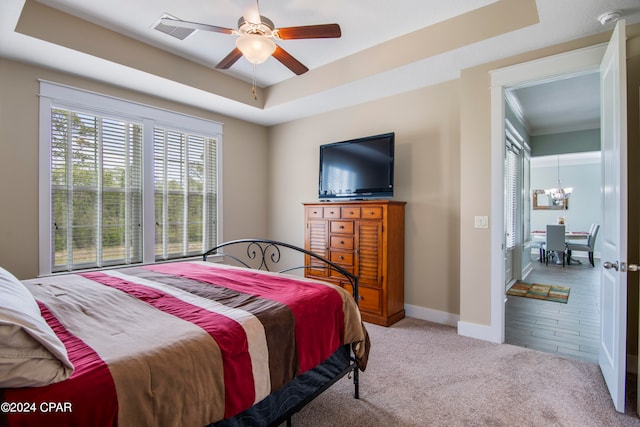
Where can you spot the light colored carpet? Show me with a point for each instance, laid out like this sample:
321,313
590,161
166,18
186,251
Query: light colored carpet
424,374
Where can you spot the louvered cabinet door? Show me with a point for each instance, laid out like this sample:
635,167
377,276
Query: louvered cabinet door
369,263
369,253
316,242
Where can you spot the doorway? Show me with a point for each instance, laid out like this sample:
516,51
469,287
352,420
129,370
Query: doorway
533,73
556,124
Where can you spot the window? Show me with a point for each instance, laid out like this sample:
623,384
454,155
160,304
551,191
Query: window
96,190
185,196
516,168
515,149
123,183
511,199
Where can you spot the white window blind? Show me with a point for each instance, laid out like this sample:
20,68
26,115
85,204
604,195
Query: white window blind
511,194
96,190
122,183
185,196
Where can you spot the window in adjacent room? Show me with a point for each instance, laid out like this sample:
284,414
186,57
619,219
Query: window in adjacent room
123,183
512,162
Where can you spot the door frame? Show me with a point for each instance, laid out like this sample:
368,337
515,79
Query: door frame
526,74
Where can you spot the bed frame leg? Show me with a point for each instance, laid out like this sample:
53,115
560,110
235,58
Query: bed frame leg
289,422
356,383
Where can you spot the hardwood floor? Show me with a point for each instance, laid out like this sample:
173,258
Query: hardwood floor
571,329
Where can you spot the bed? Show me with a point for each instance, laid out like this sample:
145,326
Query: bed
180,343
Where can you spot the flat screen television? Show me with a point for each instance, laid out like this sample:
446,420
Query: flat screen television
357,169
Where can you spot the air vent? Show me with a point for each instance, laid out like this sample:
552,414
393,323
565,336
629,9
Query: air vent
177,32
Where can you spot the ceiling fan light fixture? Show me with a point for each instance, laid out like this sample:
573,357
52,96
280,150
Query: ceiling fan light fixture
256,48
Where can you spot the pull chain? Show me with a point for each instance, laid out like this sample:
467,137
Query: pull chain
253,86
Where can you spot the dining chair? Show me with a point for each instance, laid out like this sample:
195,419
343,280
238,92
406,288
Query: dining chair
586,247
540,247
555,242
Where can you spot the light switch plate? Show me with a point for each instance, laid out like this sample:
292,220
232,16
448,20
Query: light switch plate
481,222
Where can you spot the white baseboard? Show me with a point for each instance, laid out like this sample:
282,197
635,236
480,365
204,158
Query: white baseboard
481,332
525,271
430,315
472,330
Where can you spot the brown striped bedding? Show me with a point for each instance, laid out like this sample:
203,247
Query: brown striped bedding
184,343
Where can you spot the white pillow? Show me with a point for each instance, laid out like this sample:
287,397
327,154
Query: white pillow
31,354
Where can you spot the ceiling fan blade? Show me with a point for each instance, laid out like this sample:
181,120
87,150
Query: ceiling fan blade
230,59
289,61
251,11
324,31
195,26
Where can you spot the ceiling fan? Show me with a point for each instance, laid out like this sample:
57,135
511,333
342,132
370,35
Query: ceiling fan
256,34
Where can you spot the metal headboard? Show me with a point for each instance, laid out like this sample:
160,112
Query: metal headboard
264,254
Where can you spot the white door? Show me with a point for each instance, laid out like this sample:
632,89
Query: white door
613,332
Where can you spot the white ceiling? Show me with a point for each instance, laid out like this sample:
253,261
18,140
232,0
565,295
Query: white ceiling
364,23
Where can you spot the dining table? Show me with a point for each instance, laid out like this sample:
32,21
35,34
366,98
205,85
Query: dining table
540,235
569,235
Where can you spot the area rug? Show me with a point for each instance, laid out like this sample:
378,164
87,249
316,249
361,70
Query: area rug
542,292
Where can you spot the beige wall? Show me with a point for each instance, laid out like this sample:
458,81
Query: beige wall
426,177
245,167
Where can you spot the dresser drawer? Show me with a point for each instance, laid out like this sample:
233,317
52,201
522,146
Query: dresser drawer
372,212
342,258
345,227
369,299
349,212
335,275
315,212
331,212
341,242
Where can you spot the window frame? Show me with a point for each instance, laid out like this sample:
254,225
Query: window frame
55,94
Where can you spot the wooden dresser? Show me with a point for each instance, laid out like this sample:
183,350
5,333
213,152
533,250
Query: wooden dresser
367,239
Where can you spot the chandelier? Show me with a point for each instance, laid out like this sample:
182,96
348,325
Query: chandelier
559,194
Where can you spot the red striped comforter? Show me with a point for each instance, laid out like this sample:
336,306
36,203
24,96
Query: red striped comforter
185,343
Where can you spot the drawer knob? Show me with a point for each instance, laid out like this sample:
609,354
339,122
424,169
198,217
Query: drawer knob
342,242
341,257
342,226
